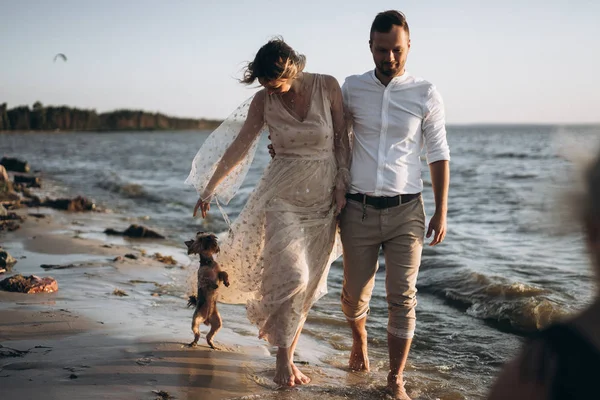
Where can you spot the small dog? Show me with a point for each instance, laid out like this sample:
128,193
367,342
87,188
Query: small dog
209,276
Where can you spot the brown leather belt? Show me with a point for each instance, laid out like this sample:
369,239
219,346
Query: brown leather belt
382,202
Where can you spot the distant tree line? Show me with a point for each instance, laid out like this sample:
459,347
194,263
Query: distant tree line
63,118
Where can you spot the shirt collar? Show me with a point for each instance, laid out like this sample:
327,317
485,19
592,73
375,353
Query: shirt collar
395,80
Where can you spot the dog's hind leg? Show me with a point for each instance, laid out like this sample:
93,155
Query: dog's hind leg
215,324
196,321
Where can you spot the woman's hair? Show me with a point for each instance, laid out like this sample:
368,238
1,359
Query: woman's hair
274,60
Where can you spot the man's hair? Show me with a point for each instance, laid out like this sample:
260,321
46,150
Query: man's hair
384,21
274,60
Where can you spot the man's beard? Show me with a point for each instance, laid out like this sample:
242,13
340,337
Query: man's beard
389,69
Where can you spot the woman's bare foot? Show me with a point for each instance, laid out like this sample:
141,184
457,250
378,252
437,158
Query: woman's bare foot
396,387
300,378
284,375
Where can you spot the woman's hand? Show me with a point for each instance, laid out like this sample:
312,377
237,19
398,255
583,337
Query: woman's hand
271,149
204,206
340,200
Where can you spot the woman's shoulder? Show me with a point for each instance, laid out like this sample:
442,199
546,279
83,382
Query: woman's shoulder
328,84
328,81
259,97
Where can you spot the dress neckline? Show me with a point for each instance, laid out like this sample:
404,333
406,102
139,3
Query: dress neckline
291,112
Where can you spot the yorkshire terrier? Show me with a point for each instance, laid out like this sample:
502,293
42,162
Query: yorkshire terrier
209,276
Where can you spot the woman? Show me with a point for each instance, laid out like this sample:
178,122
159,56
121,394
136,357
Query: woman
564,361
280,247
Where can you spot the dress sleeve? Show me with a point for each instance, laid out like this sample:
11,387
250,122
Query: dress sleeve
221,164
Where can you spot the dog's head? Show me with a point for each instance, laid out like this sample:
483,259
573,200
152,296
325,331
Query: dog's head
205,244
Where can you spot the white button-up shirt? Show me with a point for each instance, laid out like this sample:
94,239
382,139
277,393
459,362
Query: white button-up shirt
391,125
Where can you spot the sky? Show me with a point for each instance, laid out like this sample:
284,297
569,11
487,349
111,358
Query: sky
492,61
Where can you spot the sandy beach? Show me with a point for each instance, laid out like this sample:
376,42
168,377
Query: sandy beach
85,342
498,276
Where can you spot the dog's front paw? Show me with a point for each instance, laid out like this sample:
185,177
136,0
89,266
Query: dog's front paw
226,283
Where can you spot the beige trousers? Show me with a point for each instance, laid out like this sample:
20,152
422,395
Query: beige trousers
399,231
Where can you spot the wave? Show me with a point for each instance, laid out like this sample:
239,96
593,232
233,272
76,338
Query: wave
520,176
128,190
522,156
516,307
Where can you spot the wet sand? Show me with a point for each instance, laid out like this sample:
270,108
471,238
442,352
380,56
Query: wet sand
85,342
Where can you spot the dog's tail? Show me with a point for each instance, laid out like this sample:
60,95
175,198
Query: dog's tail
192,301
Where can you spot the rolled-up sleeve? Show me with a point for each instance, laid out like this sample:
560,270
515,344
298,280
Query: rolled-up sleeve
434,128
346,95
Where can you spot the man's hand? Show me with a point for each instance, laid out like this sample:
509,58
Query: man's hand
204,206
437,225
340,201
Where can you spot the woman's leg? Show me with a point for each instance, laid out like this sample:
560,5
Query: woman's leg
284,375
283,251
300,378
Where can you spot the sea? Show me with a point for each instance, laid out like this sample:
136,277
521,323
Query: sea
513,260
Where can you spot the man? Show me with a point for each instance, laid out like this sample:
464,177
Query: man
394,114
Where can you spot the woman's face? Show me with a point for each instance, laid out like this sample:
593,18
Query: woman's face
276,86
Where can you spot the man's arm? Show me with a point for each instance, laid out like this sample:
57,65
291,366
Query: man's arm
438,156
440,180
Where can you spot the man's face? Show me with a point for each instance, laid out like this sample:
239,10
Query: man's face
390,51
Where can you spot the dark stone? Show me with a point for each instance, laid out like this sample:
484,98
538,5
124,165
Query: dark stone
7,192
57,266
135,231
29,284
28,180
10,222
77,204
37,215
132,256
14,164
9,226
31,201
11,216
6,260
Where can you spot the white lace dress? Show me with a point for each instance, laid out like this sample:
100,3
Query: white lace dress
281,246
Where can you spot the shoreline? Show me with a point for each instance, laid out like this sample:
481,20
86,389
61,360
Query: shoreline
105,130
83,338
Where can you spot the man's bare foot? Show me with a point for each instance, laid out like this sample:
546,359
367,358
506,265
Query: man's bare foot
300,378
284,375
359,357
396,387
